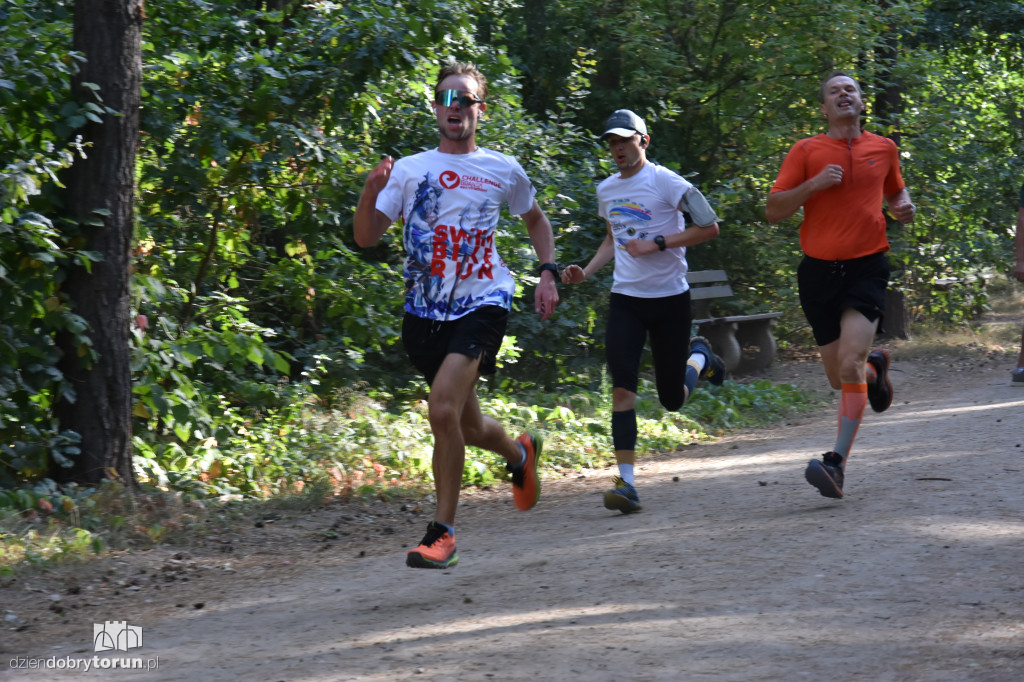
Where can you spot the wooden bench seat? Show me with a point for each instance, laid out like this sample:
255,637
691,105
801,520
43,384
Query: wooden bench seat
744,342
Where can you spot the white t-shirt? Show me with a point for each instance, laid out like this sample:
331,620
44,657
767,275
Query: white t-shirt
450,205
642,207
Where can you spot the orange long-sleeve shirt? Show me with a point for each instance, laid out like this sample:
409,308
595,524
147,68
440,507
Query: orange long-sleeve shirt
844,221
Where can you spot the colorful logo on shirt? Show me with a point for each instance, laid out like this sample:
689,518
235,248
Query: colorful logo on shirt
449,179
451,264
629,210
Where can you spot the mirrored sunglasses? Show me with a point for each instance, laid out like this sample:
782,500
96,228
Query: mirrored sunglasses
448,97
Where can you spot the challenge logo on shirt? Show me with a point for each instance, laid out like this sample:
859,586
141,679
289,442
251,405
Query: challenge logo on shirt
472,182
449,179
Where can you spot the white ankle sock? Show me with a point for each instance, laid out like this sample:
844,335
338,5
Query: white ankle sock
697,361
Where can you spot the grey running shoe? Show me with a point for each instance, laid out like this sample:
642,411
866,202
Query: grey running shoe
1017,376
714,368
622,497
826,475
880,392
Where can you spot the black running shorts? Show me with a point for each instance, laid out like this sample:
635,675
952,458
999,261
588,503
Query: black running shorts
827,288
476,335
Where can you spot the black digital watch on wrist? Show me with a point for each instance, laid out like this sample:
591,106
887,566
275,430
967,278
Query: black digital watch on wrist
660,241
550,267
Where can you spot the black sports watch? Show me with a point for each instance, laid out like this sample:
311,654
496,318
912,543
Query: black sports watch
550,267
660,241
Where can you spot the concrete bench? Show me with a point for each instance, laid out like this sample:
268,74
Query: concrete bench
744,342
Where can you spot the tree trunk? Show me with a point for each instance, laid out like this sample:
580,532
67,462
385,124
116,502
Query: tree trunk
888,107
896,319
109,34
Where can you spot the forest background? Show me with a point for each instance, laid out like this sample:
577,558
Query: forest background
263,346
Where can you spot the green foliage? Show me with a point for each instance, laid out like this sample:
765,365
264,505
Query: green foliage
37,117
51,545
724,102
375,441
47,523
965,122
257,313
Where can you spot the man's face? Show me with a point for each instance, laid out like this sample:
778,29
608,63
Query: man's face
843,99
455,121
626,152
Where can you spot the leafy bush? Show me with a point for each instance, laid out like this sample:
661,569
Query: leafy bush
257,315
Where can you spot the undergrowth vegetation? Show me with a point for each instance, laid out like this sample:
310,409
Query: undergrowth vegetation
365,444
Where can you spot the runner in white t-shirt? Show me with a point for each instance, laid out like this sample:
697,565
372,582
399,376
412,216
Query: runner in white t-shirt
643,206
459,290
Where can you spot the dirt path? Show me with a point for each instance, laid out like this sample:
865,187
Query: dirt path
736,569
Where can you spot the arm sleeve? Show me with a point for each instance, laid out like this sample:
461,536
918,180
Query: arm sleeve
894,180
792,172
521,191
694,203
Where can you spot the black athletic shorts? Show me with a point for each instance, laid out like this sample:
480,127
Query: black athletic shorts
667,321
476,335
827,288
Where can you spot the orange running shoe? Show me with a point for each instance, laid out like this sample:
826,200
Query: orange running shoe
525,478
436,549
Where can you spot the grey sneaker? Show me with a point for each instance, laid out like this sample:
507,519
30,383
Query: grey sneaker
622,497
1017,376
826,475
714,368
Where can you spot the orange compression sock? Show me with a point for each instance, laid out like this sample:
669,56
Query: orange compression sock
852,401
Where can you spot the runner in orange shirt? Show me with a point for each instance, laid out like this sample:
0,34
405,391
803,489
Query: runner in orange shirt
841,179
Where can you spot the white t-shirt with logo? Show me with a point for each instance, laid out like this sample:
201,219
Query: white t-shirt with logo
642,207
450,205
